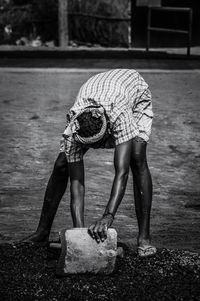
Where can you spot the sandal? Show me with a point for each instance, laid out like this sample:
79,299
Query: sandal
146,251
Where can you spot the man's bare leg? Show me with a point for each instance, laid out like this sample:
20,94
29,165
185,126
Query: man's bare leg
54,192
142,192
77,190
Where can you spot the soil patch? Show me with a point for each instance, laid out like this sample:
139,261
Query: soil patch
28,273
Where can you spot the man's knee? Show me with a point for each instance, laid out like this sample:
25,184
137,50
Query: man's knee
60,166
138,162
138,156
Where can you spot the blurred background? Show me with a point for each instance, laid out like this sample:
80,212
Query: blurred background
106,23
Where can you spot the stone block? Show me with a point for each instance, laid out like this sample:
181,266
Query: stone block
82,254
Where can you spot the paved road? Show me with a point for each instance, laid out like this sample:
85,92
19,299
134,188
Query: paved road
34,102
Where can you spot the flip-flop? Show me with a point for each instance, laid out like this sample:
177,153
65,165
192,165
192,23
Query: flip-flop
146,251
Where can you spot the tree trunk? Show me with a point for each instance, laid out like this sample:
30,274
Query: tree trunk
63,23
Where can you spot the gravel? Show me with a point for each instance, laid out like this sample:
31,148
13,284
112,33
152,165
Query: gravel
28,273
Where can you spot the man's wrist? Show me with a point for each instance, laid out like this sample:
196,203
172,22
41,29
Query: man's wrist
109,214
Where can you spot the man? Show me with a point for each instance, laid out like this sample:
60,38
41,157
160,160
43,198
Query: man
112,109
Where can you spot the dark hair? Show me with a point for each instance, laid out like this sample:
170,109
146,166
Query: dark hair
89,125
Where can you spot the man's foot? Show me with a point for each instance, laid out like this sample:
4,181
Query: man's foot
38,238
145,249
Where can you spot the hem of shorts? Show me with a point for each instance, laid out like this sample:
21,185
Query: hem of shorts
140,135
71,161
144,137
123,140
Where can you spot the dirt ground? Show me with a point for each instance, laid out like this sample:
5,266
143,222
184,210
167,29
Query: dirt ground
33,103
33,106
28,273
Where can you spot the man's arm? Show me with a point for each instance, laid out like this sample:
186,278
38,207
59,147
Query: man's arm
121,164
77,190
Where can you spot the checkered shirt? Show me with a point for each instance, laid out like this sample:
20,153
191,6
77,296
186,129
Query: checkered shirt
126,99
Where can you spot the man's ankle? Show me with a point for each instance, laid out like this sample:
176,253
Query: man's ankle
42,232
143,239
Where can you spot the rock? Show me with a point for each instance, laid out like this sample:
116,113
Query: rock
120,252
195,204
82,254
35,116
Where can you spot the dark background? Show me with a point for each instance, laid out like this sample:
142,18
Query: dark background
31,18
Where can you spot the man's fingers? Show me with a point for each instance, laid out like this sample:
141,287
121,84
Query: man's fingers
96,233
91,231
105,231
101,232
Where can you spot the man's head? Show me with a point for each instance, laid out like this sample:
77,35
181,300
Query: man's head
88,126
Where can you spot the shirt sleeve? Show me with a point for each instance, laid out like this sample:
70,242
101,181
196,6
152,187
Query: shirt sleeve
69,145
143,105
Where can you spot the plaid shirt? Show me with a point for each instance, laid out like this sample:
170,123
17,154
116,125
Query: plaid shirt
127,102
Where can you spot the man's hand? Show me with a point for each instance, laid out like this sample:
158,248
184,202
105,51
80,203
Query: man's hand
99,230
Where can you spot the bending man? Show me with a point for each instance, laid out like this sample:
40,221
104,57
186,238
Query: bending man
113,109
